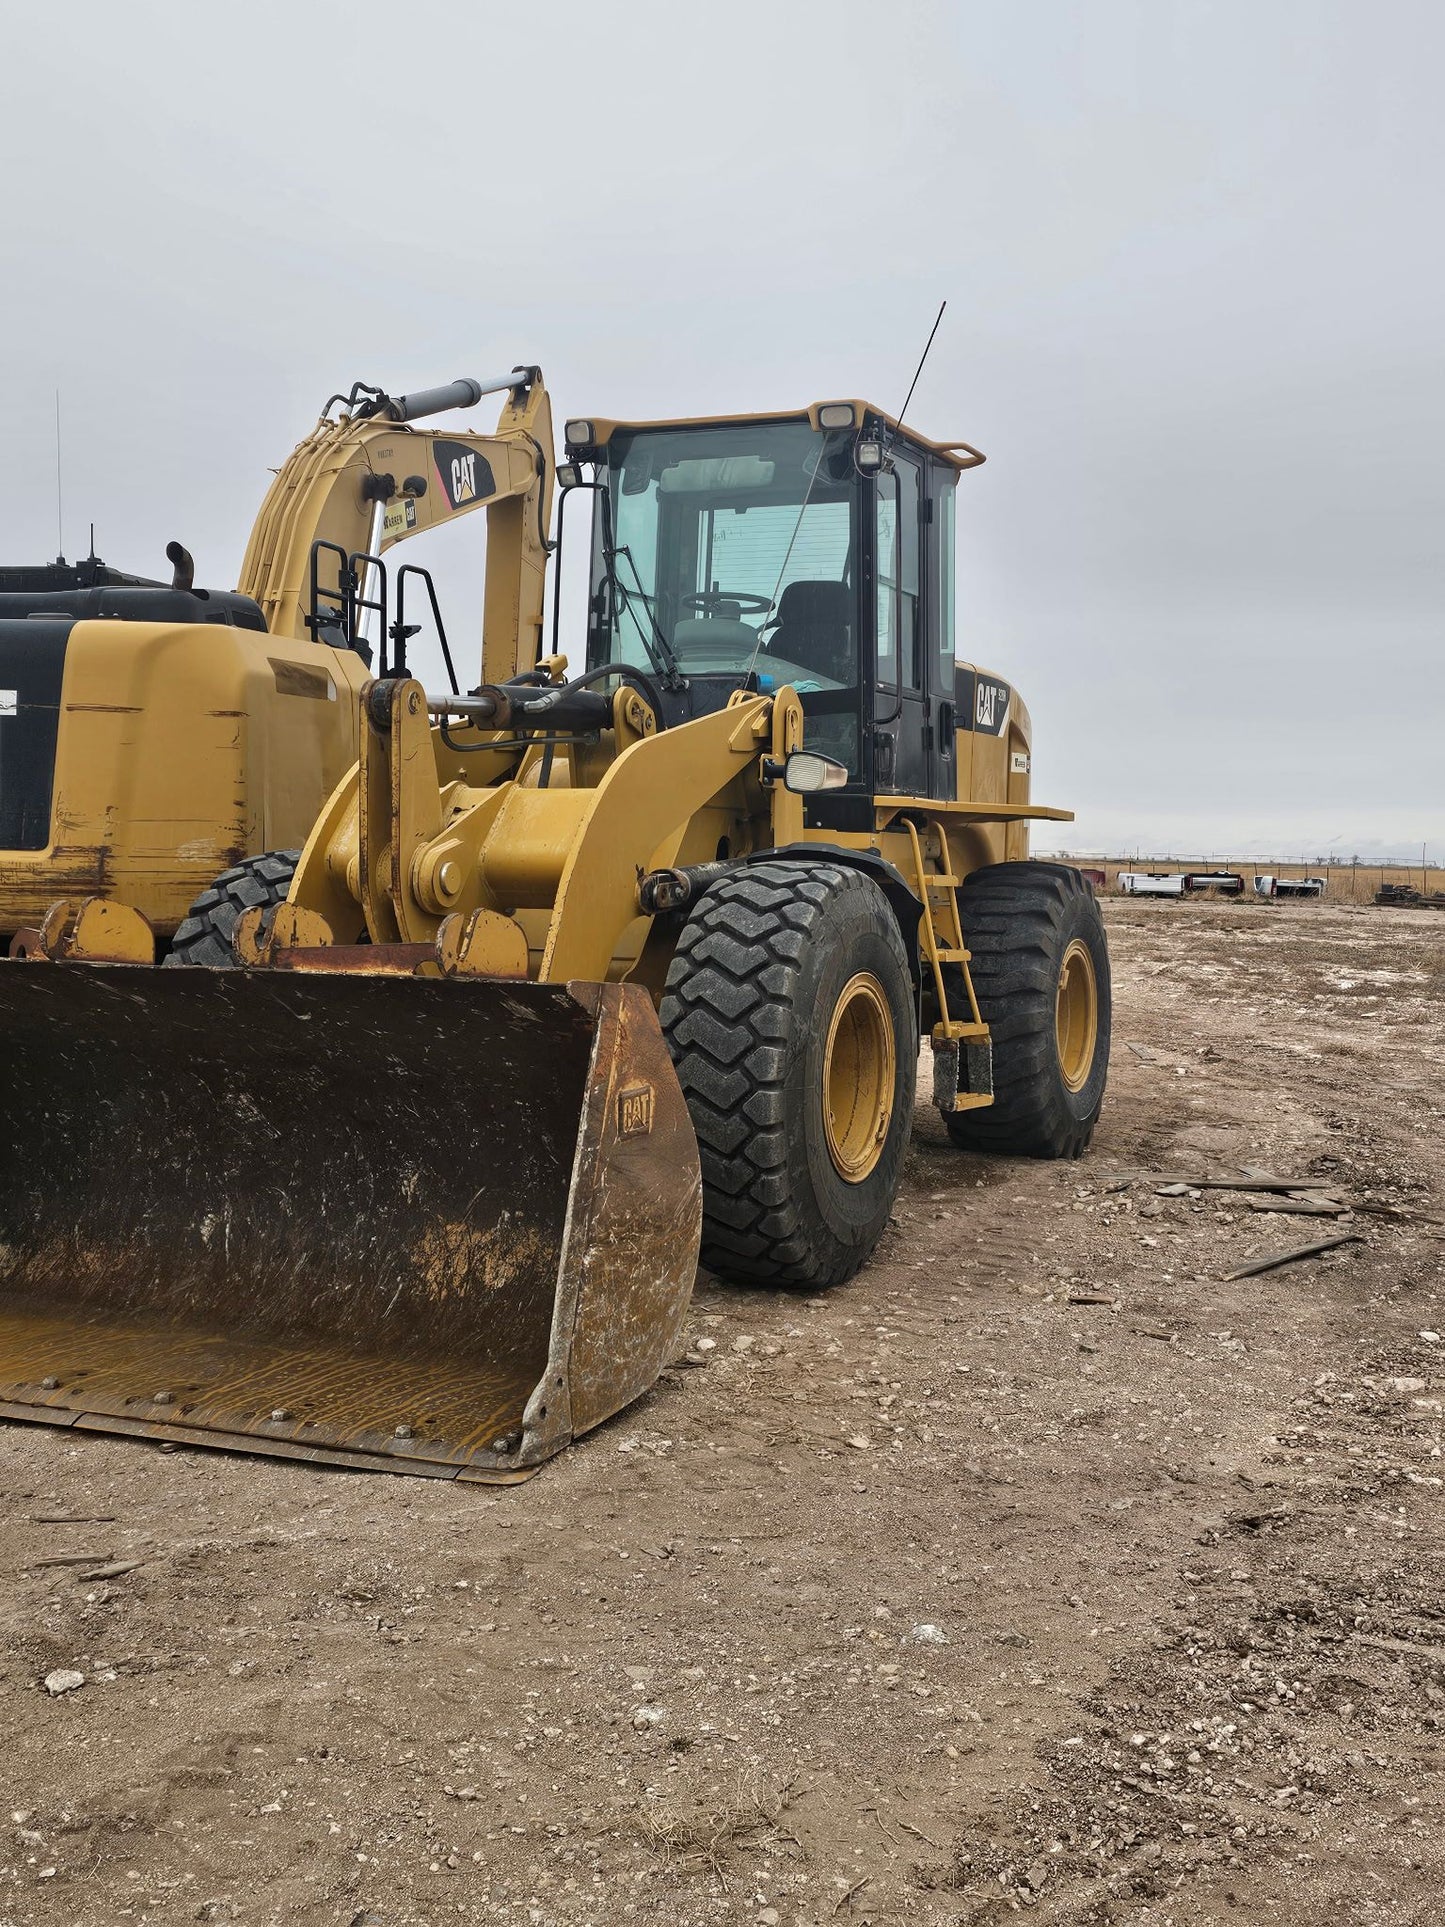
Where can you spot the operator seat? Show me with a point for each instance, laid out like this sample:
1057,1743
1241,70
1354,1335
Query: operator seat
812,628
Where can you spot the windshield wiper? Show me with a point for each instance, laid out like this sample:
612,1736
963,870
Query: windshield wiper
661,656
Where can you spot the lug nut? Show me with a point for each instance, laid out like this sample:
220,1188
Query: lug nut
280,1415
404,1432
162,1398
50,1384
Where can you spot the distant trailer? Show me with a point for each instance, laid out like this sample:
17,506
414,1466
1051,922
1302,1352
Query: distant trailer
1266,886
1181,883
1098,878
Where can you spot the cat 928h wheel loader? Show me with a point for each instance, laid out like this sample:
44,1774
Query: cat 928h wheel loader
576,978
152,734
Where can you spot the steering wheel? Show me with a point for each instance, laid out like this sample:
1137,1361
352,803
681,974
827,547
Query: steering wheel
710,599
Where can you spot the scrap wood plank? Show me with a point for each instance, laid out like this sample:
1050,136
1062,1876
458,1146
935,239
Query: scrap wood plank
1253,1184
1315,1207
1289,1257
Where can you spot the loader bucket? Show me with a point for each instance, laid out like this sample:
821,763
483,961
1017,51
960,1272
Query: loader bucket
434,1226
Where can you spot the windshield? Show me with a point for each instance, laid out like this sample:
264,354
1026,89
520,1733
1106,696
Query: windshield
722,549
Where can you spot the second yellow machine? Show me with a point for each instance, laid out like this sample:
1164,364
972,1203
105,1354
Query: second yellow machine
578,975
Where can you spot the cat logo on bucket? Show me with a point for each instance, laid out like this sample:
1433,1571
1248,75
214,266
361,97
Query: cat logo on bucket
634,1111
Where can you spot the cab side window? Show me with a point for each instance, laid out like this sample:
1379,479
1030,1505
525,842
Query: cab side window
945,490
885,552
897,549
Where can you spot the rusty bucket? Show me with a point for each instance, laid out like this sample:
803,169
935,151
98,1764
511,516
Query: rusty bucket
422,1225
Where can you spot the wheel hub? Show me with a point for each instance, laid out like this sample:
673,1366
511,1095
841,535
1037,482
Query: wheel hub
1076,1015
859,1073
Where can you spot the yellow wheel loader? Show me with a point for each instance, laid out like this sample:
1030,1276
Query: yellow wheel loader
578,977
154,734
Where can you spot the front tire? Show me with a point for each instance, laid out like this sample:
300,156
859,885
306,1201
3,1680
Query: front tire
789,1013
205,936
1041,974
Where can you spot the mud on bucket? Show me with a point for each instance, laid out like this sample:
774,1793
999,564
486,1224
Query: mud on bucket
421,1225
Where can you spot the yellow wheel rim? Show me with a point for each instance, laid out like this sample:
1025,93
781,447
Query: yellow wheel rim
1076,1015
859,1069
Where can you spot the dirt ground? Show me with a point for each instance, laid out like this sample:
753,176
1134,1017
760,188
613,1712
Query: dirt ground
1038,1570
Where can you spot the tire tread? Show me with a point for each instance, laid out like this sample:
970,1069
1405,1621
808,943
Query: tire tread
204,937
728,1012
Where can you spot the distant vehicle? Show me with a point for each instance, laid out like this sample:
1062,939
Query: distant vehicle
1268,886
1181,883
1097,879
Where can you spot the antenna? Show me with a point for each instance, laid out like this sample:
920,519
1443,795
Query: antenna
921,359
59,501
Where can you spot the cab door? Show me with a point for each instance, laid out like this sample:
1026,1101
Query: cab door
904,746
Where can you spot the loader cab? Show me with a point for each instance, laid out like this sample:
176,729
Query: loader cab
814,549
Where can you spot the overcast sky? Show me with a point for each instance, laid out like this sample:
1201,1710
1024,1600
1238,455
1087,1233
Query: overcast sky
1192,254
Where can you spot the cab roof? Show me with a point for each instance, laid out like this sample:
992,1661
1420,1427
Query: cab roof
957,454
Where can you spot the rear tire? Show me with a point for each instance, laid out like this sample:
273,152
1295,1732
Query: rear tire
1041,974
205,936
789,1012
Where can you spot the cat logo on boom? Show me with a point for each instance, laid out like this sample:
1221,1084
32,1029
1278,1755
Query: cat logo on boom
465,474
464,478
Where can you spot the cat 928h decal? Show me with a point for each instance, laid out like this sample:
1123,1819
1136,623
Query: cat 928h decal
983,702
